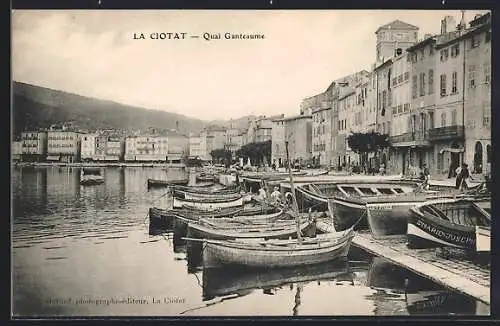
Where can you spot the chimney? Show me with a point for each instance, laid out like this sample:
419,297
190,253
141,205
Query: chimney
447,24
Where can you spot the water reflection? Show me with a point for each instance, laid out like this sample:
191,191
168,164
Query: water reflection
72,241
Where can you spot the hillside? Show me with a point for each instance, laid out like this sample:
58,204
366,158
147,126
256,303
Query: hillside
39,107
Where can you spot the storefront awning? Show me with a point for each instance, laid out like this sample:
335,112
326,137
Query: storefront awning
451,150
53,158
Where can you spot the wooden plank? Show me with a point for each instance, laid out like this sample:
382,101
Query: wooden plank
441,275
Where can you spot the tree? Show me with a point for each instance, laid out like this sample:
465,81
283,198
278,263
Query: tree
364,143
256,152
221,155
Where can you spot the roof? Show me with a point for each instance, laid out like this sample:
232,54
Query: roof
397,25
421,43
296,117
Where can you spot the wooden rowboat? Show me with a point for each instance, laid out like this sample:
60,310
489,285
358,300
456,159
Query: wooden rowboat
277,253
204,196
236,230
154,183
209,204
447,222
198,190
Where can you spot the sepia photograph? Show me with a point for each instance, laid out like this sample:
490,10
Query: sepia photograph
180,163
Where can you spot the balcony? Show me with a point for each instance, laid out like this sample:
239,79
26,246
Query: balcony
446,133
418,138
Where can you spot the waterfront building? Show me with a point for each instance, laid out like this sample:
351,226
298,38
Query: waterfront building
278,151
392,36
34,146
345,107
178,147
88,146
63,145
476,43
146,148
198,147
216,138
17,150
115,148
400,111
298,134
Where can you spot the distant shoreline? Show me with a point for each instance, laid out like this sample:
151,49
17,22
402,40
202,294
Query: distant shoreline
101,164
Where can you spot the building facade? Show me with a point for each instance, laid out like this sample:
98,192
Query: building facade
392,36
278,152
198,147
17,150
178,147
63,146
34,146
146,148
298,134
88,147
477,50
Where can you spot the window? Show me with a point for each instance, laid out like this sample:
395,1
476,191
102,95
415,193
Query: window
384,99
454,82
422,83
455,50
406,107
394,110
487,69
400,108
472,76
407,75
414,86
440,161
444,55
394,81
400,78
443,119
431,81
422,54
389,98
443,85
474,41
454,117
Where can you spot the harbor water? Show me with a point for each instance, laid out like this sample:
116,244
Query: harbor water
87,251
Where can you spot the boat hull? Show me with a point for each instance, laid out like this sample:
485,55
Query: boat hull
483,239
206,204
347,212
307,200
91,182
217,255
426,232
164,183
283,232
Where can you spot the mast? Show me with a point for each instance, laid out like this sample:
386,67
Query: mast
295,206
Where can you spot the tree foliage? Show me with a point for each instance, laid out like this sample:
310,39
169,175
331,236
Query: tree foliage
257,152
221,155
362,143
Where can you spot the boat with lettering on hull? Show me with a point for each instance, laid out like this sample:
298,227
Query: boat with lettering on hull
448,222
347,200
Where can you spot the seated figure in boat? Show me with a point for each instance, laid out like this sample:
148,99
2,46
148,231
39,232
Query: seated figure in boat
276,196
262,195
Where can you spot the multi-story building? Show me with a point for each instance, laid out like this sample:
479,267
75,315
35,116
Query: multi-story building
321,134
363,112
34,146
178,147
88,146
345,123
17,150
312,103
146,148
198,147
476,45
216,138
298,134
63,145
392,36
400,111
115,148
233,141
278,152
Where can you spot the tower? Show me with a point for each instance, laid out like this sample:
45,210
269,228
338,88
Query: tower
393,36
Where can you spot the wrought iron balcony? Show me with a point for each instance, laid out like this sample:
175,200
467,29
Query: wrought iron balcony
443,133
409,137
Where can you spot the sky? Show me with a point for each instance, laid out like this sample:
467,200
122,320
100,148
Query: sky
94,53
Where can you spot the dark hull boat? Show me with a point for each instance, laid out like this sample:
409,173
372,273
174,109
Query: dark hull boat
91,177
447,222
154,183
218,282
277,253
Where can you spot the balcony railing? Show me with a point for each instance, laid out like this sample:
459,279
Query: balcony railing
409,137
443,133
